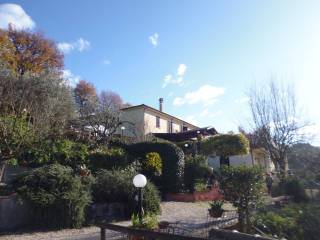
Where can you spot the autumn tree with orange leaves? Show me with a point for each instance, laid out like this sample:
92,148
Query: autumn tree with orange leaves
24,52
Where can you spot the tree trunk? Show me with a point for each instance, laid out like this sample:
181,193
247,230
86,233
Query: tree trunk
283,168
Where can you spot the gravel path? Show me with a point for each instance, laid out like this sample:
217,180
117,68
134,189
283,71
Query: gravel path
184,214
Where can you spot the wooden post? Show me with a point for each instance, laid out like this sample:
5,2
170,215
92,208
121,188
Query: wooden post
103,234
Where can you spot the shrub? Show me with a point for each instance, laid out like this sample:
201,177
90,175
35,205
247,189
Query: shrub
199,185
275,224
117,186
196,169
293,187
56,197
149,222
172,162
104,158
294,221
309,221
69,153
242,186
153,163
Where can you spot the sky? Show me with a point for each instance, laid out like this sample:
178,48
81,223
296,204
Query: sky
200,56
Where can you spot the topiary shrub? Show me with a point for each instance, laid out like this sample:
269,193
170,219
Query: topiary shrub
104,158
293,187
116,186
152,163
242,186
57,198
196,171
172,162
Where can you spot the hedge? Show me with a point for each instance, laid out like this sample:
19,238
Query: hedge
104,158
56,197
172,162
116,186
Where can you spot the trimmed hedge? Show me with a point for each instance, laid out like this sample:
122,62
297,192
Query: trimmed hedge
104,158
56,197
116,186
172,162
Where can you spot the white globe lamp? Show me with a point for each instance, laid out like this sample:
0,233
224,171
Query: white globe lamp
139,181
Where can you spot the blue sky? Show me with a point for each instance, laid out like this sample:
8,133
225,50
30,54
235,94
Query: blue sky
200,56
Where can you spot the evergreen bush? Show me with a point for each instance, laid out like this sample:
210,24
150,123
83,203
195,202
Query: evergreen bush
172,162
104,158
57,198
116,186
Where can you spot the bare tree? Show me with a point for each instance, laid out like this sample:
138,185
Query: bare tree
105,120
276,122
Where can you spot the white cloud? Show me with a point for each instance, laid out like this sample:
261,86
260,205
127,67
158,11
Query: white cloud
242,100
79,45
154,39
178,79
181,70
14,14
208,114
192,119
106,62
205,95
70,78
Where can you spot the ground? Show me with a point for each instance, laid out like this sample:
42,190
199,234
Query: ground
189,216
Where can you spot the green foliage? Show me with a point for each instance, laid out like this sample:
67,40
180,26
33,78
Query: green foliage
200,185
15,135
69,153
225,145
278,225
104,158
242,186
196,169
64,152
153,163
216,205
57,198
293,187
310,221
149,222
172,162
189,149
117,186
295,221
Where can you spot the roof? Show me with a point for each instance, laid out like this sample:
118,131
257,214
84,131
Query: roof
156,110
187,135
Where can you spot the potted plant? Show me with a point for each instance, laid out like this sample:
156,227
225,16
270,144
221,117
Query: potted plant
149,222
216,209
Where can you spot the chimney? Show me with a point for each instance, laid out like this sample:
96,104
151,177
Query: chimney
160,104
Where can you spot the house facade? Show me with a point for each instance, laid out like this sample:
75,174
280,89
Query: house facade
141,120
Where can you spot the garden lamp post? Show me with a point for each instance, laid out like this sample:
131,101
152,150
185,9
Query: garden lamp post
122,129
198,142
139,181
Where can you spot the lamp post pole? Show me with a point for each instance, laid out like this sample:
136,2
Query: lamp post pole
122,129
140,204
140,181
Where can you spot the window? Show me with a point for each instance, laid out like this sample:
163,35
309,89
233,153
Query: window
170,126
157,121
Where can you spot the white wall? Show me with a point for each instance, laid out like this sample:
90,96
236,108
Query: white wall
144,120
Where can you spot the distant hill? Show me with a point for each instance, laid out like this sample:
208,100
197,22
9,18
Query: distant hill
304,161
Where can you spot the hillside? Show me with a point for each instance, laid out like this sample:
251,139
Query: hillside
304,161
